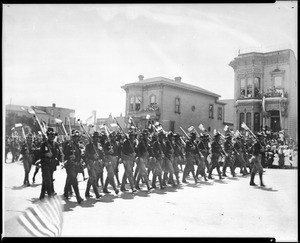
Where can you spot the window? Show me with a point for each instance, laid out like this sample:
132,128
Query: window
256,87
249,87
177,105
131,103
243,87
152,100
248,119
138,101
220,113
278,82
211,111
242,119
256,122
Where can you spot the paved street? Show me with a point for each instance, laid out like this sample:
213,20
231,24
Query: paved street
226,208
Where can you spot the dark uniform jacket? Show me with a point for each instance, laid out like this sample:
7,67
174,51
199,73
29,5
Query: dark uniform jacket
50,163
71,148
159,149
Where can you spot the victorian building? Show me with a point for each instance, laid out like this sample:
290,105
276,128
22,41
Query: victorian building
265,91
173,104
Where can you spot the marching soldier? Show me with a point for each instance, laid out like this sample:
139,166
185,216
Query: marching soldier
28,153
119,139
143,158
93,158
38,140
257,150
159,156
203,146
50,157
239,147
168,160
229,157
191,152
72,154
216,151
128,156
178,156
111,151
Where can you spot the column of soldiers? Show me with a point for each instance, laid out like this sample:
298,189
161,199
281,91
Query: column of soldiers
164,154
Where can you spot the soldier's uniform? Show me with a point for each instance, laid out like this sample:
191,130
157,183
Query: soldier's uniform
28,153
257,150
190,153
111,151
216,151
229,157
178,156
168,160
239,147
159,156
128,156
94,159
50,157
203,146
143,158
73,157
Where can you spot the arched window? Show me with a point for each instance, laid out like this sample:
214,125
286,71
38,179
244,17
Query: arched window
177,105
243,87
249,87
248,119
256,87
152,100
131,103
138,101
256,122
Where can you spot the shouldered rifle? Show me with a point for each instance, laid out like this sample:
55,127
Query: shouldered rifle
131,145
197,149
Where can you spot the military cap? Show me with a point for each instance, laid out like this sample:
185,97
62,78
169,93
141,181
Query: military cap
217,135
145,131
192,134
50,131
76,134
96,135
131,134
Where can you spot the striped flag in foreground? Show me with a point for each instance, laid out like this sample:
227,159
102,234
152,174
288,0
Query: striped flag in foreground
44,219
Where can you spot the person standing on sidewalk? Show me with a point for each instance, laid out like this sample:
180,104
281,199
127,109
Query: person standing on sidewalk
257,150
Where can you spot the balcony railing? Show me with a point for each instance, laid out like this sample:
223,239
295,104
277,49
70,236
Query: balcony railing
274,92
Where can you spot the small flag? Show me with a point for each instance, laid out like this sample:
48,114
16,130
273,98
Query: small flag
191,128
44,219
18,125
31,111
57,120
226,128
244,126
148,117
201,127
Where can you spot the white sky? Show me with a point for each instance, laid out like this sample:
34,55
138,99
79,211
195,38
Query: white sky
79,56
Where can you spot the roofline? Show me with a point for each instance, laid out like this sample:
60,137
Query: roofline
177,85
264,53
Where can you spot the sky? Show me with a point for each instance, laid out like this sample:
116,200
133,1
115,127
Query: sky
79,55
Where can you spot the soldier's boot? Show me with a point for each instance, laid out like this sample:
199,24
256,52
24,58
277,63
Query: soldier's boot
184,177
232,172
123,189
95,188
154,181
171,179
210,172
252,180
161,182
204,175
177,178
113,184
194,176
137,182
224,171
147,182
165,178
117,178
261,179
106,185
219,172
76,190
87,190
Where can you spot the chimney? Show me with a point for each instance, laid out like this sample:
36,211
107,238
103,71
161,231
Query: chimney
177,79
53,105
141,77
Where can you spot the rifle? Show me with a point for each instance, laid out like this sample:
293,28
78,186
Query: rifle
197,149
132,147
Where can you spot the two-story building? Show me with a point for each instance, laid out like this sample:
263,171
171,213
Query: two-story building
265,91
173,104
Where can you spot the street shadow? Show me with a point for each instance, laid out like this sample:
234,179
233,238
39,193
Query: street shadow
143,193
69,206
127,195
206,183
107,198
35,185
221,181
159,191
193,185
19,187
270,189
233,178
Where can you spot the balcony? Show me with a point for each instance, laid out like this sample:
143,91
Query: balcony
152,110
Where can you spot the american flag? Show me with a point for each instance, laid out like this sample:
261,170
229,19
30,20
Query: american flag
44,219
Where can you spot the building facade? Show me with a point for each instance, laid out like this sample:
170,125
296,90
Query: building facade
265,91
173,104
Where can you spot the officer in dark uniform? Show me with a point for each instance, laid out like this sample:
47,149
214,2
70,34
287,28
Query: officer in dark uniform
111,151
168,160
217,151
128,157
28,153
229,158
257,150
159,156
94,158
203,146
50,157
